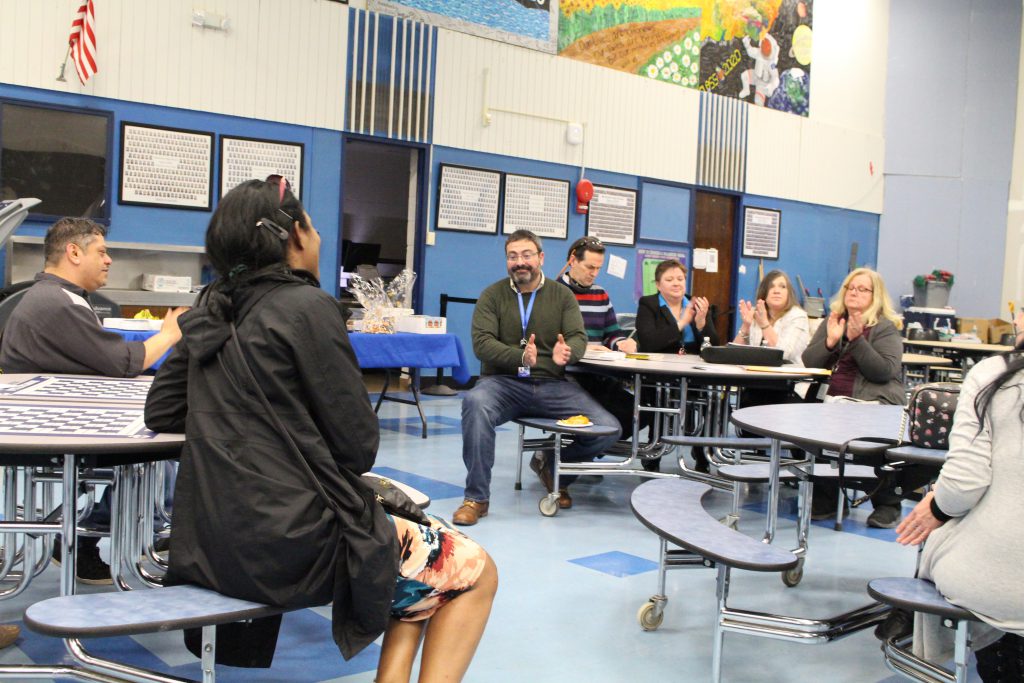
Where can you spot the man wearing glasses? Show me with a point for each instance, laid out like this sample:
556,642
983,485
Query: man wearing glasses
525,331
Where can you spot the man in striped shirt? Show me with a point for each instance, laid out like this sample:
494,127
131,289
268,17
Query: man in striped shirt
584,262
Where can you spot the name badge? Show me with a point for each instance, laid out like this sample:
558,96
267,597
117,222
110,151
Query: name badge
524,371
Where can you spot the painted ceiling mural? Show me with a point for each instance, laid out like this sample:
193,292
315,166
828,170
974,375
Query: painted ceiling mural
754,50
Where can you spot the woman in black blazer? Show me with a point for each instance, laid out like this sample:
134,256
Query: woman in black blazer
668,322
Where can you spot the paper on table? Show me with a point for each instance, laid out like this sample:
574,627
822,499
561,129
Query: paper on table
616,266
595,353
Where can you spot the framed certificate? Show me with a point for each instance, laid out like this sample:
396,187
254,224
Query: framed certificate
243,159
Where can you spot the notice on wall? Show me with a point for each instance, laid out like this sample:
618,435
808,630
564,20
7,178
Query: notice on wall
761,229
647,261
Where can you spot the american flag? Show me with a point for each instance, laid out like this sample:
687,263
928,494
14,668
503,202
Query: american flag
83,41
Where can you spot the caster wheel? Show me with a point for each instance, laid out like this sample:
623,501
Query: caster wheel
792,577
548,506
649,616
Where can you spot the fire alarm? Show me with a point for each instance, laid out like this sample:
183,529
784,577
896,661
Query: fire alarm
584,193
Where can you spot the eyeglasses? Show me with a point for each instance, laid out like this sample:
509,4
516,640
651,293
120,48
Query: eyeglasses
859,289
513,257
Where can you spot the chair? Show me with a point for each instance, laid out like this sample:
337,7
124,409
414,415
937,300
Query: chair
10,298
627,321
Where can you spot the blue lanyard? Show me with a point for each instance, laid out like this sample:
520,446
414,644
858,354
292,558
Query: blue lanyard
524,315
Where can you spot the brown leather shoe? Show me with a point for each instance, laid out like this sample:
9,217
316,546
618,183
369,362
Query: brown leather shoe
564,499
470,512
8,634
541,466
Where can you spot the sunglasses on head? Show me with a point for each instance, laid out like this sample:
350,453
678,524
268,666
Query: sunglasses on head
282,185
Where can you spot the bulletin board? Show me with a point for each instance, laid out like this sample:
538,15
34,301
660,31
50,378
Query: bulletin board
537,204
167,167
467,199
612,215
243,159
761,232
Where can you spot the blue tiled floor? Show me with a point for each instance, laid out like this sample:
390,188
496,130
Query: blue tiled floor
570,586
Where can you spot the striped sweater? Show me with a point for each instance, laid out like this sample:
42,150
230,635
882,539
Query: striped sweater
599,317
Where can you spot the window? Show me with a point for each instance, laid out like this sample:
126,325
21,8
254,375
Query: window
58,155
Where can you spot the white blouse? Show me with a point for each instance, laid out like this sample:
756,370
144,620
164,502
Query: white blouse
793,331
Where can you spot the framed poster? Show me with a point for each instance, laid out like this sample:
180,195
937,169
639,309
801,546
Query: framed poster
243,159
167,167
612,215
761,229
537,204
467,199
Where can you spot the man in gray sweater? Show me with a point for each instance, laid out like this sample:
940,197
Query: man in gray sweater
525,331
55,330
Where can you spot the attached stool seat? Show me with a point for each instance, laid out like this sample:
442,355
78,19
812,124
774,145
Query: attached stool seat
549,504
100,615
920,595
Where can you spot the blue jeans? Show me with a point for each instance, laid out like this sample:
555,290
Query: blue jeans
496,399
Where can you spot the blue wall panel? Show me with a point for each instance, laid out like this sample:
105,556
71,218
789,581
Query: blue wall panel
665,213
321,173
814,243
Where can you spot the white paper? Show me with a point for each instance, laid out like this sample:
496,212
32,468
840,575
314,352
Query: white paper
712,261
742,269
616,266
700,259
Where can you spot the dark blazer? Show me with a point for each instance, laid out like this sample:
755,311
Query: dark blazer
657,331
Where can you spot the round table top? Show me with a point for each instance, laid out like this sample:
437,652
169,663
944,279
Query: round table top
925,359
824,425
959,346
691,366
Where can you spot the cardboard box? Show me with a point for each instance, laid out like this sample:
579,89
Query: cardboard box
422,324
989,330
166,283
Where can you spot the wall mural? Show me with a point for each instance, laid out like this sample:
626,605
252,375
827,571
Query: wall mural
758,51
530,23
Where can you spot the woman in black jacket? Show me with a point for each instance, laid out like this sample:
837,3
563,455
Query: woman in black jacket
668,322
283,518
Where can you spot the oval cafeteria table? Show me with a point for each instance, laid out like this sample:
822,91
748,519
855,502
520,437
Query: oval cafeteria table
73,422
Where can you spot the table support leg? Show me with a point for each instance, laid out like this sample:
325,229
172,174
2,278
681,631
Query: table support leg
69,535
773,491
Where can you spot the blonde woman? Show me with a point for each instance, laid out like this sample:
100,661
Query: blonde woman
774,319
860,342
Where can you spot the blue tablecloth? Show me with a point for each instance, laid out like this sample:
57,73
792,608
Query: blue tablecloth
404,350
400,350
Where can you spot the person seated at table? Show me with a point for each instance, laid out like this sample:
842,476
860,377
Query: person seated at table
583,264
273,509
774,319
972,520
861,344
525,331
669,322
54,329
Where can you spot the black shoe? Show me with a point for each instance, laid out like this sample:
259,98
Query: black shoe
885,517
700,460
91,568
651,464
162,544
898,624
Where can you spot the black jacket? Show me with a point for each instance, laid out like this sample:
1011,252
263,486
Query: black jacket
248,520
658,332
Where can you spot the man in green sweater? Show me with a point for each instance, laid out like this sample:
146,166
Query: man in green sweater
525,331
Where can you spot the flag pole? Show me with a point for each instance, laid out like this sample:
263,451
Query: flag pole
63,65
